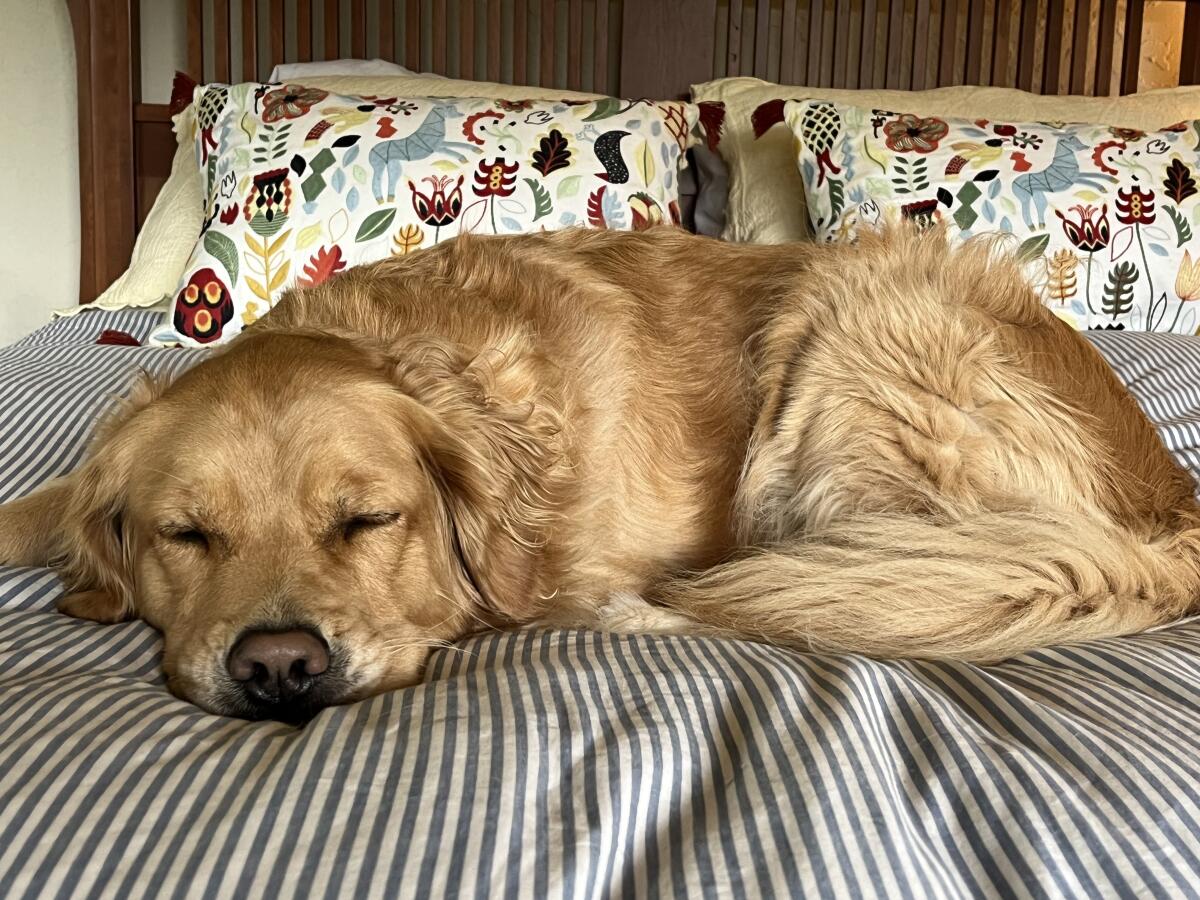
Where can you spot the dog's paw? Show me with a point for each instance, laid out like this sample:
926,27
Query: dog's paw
623,612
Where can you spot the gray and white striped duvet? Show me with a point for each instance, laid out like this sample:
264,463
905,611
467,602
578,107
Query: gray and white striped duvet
583,765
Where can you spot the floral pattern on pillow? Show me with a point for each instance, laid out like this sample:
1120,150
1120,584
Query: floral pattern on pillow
1105,219
302,184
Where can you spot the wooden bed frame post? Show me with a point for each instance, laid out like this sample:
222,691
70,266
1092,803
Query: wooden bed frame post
107,72
1189,62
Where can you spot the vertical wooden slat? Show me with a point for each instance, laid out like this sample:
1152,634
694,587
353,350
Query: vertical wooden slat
987,45
387,29
1131,58
1025,49
933,42
907,42
521,40
547,43
800,54
946,43
841,34
304,30
493,44
1082,63
600,63
412,34
1002,50
866,68
882,23
195,31
787,39
1056,47
333,43
733,54
278,32
358,27
921,46
249,41
895,48
812,41
221,40
440,41
762,38
974,53
854,44
828,20
466,40
575,44
1105,50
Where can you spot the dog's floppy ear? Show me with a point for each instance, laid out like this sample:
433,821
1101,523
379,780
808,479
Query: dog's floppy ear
77,521
494,454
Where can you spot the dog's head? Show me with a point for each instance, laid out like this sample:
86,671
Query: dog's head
304,516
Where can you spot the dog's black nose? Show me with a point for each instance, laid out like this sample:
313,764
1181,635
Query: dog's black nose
278,668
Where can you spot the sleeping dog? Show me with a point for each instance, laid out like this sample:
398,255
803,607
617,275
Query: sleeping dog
890,448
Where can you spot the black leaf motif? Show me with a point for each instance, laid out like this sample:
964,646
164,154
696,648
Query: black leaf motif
552,153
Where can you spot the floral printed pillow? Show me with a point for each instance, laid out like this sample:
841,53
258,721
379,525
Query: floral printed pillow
1105,219
302,184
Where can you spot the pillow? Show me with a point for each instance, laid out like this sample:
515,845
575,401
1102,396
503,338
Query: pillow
302,183
766,197
168,235
1105,218
308,70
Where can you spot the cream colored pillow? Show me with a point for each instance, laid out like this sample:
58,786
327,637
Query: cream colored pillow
166,240
766,196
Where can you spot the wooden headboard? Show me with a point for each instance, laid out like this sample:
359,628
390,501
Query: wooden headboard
626,47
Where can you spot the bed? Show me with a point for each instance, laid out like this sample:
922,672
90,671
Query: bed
572,763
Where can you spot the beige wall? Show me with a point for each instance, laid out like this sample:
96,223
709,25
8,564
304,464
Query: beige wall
1161,44
39,230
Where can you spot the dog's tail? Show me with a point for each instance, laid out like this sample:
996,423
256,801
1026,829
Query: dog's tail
983,588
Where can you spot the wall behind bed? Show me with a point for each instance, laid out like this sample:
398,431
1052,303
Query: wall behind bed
39,166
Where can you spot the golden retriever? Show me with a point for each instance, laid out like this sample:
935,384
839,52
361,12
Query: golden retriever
889,448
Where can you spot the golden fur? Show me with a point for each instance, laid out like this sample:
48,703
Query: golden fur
889,448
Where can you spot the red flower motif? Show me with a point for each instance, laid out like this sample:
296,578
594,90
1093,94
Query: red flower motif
437,208
203,307
1087,232
912,133
1127,134
291,102
1135,207
496,179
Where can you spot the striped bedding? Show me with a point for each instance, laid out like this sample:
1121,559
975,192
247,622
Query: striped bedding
575,764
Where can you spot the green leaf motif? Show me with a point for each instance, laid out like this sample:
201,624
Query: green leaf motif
605,108
1032,248
912,176
837,198
1118,293
224,251
569,186
542,204
374,225
1183,230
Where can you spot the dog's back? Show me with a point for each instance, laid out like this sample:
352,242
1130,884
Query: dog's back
943,468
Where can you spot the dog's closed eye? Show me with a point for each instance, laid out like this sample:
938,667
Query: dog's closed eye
186,535
350,527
